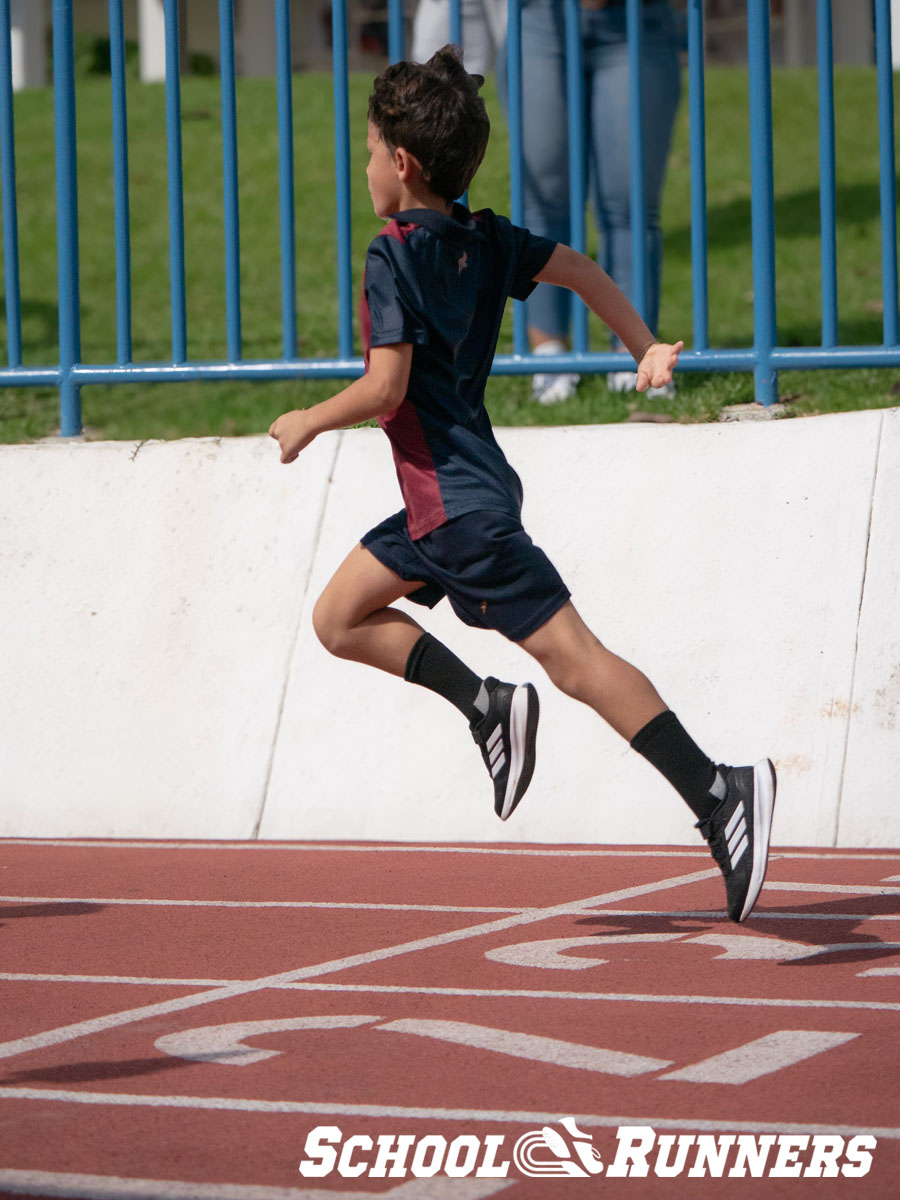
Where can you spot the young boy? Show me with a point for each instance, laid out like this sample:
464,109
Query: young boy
436,283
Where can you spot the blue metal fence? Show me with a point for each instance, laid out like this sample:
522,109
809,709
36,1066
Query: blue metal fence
764,358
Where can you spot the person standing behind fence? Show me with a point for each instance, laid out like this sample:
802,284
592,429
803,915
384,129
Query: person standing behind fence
546,154
483,31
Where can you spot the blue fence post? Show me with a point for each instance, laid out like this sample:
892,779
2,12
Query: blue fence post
456,28
120,182
342,175
888,177
66,218
697,114
176,183
516,166
827,173
396,31
762,200
577,165
10,212
286,179
635,32
230,180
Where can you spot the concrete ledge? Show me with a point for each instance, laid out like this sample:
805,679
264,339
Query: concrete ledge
160,676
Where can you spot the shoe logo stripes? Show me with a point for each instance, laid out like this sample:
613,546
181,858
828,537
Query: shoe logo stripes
495,751
736,836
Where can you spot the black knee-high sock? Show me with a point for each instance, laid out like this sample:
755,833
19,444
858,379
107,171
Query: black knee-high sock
432,665
666,744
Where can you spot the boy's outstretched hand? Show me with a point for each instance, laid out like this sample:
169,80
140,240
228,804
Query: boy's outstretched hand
656,367
293,432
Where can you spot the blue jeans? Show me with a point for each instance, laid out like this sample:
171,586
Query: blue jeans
546,151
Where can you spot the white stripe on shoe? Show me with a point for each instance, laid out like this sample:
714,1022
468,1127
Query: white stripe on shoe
764,786
736,836
518,732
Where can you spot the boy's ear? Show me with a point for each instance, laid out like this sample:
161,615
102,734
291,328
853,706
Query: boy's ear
407,165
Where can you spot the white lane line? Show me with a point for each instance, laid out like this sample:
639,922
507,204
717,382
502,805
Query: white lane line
762,1056
414,848
351,904
67,1033
697,914
372,848
146,981
382,1112
481,993
112,1187
879,971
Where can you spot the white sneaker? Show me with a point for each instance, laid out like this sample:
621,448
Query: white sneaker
553,389
626,381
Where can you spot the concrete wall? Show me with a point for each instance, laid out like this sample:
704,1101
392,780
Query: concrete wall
159,676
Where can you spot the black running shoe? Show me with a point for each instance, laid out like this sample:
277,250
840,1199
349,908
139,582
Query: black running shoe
738,833
506,736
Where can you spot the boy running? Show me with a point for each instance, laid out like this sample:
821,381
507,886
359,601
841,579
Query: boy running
436,282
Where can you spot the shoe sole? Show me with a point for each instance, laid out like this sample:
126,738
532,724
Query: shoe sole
764,788
523,719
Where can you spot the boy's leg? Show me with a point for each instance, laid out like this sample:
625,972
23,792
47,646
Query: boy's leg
734,804
353,619
582,667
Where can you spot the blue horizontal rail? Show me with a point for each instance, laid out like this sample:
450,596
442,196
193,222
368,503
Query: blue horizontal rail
763,359
793,358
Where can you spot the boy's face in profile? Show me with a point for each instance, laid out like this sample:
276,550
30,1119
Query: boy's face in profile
381,173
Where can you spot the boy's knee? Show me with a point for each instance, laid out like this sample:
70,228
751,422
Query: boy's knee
566,674
328,628
571,667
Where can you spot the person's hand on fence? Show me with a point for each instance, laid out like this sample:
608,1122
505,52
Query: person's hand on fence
293,431
656,367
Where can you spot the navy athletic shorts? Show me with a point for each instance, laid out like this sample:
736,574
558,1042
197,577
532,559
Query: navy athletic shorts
483,562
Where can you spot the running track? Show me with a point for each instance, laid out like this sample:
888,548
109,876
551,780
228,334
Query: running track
431,990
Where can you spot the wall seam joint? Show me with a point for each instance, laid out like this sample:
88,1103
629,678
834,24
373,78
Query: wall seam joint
862,595
298,628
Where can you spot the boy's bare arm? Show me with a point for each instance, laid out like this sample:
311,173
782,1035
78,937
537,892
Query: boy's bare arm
569,268
379,391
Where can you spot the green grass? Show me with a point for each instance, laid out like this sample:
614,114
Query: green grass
153,410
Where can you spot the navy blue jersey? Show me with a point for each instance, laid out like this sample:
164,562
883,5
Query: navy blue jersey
441,283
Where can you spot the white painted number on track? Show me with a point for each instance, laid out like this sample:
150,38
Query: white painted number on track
526,1045
225,1044
763,1056
553,954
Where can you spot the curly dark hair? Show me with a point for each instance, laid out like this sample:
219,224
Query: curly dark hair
433,110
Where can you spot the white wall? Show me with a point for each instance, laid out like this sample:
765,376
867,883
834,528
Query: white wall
159,676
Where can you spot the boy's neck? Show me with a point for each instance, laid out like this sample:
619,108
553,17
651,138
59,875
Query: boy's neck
423,198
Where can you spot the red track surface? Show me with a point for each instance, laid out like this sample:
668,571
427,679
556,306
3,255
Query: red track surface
441,955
